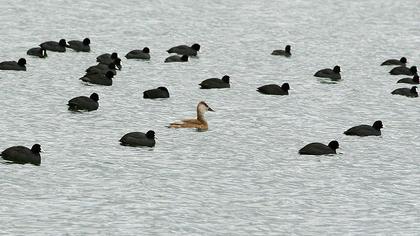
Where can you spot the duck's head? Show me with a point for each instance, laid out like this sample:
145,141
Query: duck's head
337,69
184,58
43,52
196,46
413,89
109,74
226,78
94,97
36,149
333,145
111,66
163,89
22,62
62,43
114,55
416,78
403,60
117,62
150,134
287,49
86,41
146,50
377,125
413,69
285,86
203,107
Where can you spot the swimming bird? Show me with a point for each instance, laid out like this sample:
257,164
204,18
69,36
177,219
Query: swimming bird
274,89
328,73
176,58
185,50
55,46
366,130
139,54
401,62
414,80
84,103
319,148
409,92
101,69
160,92
38,51
216,83
200,122
286,52
23,155
107,58
100,79
13,65
403,70
80,46
138,139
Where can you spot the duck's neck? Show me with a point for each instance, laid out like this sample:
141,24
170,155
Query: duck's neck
200,117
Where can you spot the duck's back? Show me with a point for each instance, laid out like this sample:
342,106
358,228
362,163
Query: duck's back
392,62
272,89
214,83
316,149
183,50
97,79
405,92
82,103
401,70
155,93
363,130
407,81
137,54
21,155
137,139
78,46
11,65
52,46
327,73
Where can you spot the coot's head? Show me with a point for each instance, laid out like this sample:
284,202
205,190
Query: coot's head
36,149
416,78
285,86
114,55
226,78
86,41
337,69
196,46
184,58
94,97
333,145
150,134
413,89
22,62
377,125
117,62
146,50
109,74
163,89
62,43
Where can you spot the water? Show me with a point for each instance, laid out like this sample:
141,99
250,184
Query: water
243,176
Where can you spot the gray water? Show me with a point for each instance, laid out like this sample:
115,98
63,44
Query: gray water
244,175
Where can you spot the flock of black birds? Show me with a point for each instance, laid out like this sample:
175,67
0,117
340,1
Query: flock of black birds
108,64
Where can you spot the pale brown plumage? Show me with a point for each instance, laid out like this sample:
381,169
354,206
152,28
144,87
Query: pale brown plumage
199,122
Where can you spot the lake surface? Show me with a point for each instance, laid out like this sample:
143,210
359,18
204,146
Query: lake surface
244,175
